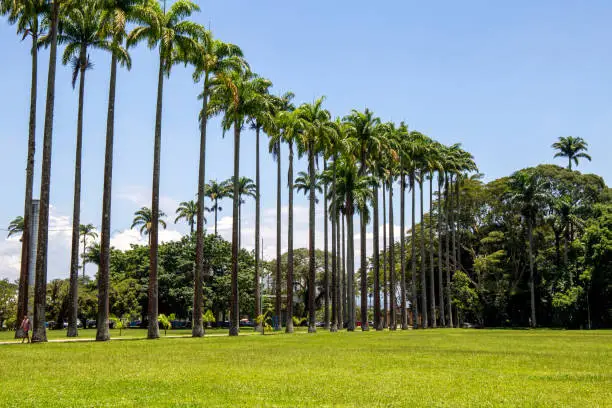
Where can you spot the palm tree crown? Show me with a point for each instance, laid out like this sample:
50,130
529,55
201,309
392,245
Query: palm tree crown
574,148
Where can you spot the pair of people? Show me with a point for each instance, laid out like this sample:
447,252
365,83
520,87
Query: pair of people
25,326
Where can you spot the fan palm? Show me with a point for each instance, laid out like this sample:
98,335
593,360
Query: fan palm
116,14
27,15
188,211
574,148
316,123
238,96
176,39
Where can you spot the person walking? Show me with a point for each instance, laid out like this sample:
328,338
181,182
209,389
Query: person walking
25,325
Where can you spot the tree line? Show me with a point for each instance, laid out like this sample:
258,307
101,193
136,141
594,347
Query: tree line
362,159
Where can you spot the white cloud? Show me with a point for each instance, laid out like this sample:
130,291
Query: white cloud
123,239
141,196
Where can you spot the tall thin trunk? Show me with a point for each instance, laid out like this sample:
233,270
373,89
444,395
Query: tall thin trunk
385,319
256,291
404,312
376,267
198,293
326,254
334,231
365,325
344,303
73,301
40,286
458,222
392,285
102,333
311,242
449,299
84,250
425,322
277,287
235,305
350,266
453,234
216,211
415,304
22,297
153,331
289,325
441,307
531,277
432,279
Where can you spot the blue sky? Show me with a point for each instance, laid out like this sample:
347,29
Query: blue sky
505,80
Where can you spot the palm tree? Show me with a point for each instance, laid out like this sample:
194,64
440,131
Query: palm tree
302,184
216,191
316,123
87,232
143,219
441,220
27,15
81,30
116,14
574,148
282,104
188,211
212,57
176,39
39,333
289,126
528,191
246,188
363,129
16,227
238,96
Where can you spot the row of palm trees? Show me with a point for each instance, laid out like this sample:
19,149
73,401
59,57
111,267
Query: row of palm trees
360,157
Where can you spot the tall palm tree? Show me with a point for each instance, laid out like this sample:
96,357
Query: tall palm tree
81,30
441,221
282,104
27,15
211,57
143,220
188,211
316,123
574,148
289,126
176,39
216,191
364,130
39,333
16,227
237,96
116,14
302,184
87,232
246,188
528,191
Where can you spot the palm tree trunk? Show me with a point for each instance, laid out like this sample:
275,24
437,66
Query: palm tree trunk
40,287
84,250
76,212
365,326
449,299
311,243
344,304
235,305
441,307
452,225
385,322
458,223
257,291
531,278
404,312
278,300
334,231
425,322
415,304
198,293
153,331
102,333
376,267
350,266
216,210
289,324
392,285
326,254
22,297
432,278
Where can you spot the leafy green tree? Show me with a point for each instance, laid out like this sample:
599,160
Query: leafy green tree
8,304
574,148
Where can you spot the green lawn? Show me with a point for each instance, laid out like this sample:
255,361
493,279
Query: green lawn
439,368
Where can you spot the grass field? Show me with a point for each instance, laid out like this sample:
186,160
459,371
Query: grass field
437,368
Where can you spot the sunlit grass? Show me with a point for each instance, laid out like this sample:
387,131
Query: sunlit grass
443,368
